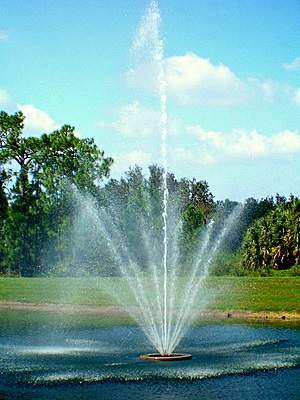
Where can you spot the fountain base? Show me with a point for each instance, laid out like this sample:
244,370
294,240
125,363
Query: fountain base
167,357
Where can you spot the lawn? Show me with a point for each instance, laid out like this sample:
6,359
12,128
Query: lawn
257,294
225,293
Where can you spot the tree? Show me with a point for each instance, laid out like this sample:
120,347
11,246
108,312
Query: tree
192,223
198,194
273,241
10,130
3,216
42,204
252,210
65,156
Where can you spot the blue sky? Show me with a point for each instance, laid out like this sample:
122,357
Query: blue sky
232,71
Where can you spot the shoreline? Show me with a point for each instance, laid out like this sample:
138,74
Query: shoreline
118,311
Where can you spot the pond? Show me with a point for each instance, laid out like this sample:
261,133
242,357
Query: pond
230,361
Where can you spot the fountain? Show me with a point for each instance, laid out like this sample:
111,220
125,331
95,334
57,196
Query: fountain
164,298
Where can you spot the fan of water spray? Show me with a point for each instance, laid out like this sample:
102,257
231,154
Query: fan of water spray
163,297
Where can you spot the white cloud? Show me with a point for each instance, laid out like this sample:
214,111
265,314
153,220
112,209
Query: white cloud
192,157
269,89
296,97
6,102
123,161
286,142
134,120
198,145
145,76
294,65
193,80
37,121
3,35
138,120
4,98
240,145
138,157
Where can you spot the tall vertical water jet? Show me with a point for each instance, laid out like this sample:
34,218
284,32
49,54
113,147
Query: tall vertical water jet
148,40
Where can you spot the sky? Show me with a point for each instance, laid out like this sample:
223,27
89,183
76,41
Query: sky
231,72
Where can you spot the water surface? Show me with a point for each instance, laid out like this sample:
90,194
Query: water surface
51,361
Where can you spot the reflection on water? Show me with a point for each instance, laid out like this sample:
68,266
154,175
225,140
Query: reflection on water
229,362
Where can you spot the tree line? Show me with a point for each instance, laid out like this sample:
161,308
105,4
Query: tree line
48,228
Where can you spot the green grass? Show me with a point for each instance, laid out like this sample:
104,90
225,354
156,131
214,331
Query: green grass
27,320
88,291
225,293
257,294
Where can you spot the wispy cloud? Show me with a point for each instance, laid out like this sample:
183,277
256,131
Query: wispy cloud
134,119
269,90
138,120
240,145
129,159
294,65
4,98
6,102
296,97
138,157
4,35
193,80
37,121
201,145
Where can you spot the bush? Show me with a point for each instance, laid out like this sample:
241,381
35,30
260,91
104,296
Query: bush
294,271
272,244
227,264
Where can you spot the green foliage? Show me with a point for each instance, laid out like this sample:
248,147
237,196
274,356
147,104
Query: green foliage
293,271
38,205
192,224
227,263
132,209
39,213
273,242
136,206
252,210
198,194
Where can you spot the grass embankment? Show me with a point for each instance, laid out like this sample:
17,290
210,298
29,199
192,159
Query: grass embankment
230,293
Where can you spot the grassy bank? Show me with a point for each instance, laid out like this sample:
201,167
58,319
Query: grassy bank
224,293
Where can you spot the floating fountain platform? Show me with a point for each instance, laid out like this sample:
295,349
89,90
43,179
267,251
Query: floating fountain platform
167,357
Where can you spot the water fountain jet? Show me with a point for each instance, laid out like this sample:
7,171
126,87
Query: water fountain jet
164,298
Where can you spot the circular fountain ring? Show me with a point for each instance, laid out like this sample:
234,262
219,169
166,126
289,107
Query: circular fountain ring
168,357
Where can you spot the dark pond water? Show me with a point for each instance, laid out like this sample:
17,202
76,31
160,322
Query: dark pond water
229,362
